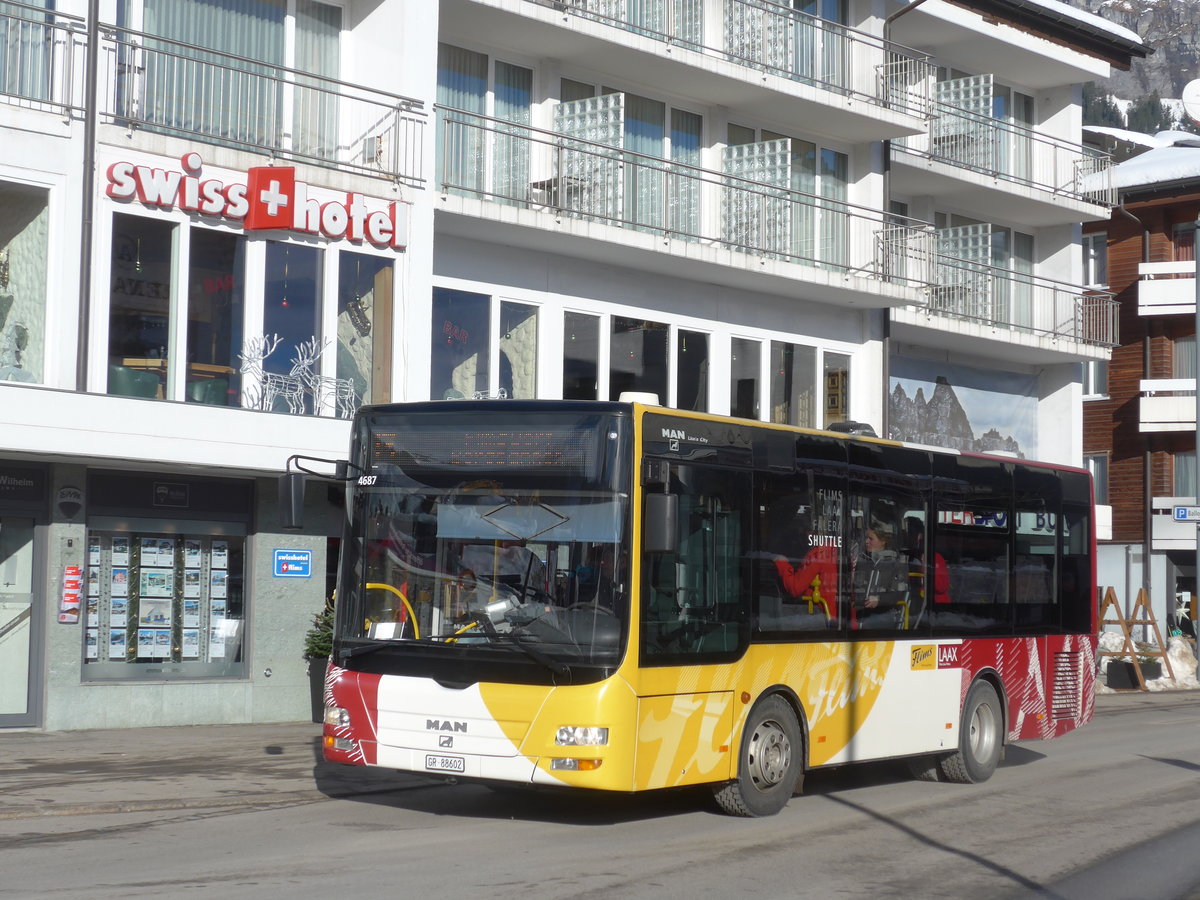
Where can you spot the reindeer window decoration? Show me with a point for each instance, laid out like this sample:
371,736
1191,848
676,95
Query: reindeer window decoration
340,393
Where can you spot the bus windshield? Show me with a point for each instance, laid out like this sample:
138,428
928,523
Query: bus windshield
501,561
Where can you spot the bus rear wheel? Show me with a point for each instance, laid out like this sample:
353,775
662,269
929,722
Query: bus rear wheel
980,738
769,762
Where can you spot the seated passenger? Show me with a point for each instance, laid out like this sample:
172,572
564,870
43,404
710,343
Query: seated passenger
880,581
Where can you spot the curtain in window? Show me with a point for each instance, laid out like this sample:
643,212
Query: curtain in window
1185,473
318,40
26,45
514,91
684,208
462,85
645,181
1021,311
835,217
190,90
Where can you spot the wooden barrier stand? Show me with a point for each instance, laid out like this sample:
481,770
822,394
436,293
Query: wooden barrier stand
1128,648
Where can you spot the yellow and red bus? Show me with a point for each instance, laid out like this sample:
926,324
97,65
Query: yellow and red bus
621,597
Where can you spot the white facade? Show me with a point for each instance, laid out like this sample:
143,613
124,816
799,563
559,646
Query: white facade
793,215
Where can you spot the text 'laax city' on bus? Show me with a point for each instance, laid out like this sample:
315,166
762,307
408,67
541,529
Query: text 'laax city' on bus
620,597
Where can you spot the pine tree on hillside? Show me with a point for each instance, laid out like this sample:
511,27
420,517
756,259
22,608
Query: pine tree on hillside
1099,108
1149,116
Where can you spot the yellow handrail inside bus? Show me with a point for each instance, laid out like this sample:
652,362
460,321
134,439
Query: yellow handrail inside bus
370,585
467,627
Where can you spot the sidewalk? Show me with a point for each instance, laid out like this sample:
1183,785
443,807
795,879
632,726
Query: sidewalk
130,771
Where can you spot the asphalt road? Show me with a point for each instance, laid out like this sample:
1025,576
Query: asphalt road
1111,811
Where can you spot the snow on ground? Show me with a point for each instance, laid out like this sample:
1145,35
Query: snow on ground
1179,651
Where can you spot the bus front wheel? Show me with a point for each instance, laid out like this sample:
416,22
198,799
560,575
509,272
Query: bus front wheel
769,763
980,739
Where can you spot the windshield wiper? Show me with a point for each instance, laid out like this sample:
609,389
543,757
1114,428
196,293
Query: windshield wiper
554,665
346,653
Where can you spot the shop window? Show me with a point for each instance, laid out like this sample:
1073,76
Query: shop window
581,356
837,388
364,325
139,306
215,315
23,242
793,384
745,378
691,370
465,350
163,605
292,311
638,358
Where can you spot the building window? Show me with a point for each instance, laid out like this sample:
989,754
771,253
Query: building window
581,356
793,384
810,225
139,312
691,370
1097,464
216,312
1185,473
638,358
472,356
1095,379
836,387
1095,259
364,325
23,242
745,379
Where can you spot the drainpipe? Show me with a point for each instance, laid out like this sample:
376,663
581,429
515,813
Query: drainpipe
1147,456
88,188
886,313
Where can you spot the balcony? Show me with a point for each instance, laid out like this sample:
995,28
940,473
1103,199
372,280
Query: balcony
1036,319
761,58
42,56
1016,172
738,226
1167,404
1167,288
156,85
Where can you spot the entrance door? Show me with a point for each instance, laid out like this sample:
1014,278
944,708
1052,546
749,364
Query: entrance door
17,625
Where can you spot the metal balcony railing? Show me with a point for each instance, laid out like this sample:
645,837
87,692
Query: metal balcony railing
1023,303
771,37
1015,154
174,88
169,87
517,165
42,56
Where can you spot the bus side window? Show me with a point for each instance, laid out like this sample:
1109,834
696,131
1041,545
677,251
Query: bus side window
695,594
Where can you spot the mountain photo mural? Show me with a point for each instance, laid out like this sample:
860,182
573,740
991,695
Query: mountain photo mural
961,408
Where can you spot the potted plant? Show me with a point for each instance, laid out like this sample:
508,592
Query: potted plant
318,645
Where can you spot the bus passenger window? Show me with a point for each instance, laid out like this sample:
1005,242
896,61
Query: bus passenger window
694,596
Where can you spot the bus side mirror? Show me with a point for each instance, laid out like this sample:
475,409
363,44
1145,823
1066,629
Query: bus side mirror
660,525
291,501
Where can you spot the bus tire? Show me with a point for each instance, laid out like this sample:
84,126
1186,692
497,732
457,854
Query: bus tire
980,738
769,762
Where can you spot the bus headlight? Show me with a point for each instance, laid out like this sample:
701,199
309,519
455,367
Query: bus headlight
336,717
575,765
581,736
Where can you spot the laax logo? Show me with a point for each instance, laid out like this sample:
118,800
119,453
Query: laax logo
271,200
948,657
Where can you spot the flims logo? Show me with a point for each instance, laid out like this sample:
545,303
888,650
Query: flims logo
924,656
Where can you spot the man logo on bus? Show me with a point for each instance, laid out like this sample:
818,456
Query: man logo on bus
444,725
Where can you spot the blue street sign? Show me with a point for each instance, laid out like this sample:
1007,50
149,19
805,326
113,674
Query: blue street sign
1187,514
293,563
